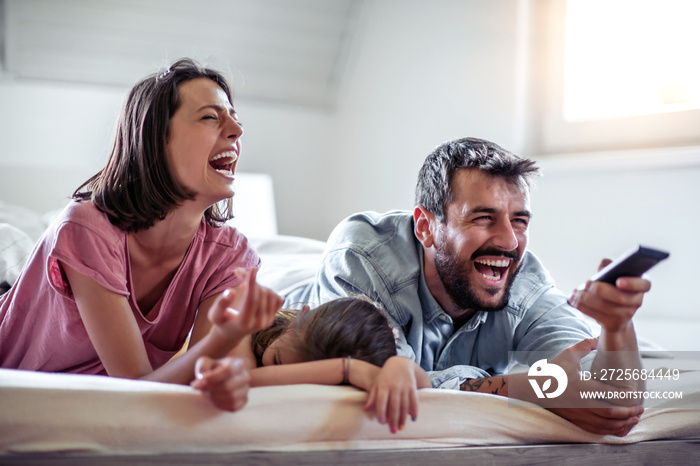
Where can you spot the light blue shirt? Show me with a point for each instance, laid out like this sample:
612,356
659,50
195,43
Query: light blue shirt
379,256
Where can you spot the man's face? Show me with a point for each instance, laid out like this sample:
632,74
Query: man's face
479,249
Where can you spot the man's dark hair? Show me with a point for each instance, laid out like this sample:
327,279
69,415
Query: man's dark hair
137,188
434,187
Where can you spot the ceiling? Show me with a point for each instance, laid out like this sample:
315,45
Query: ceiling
282,51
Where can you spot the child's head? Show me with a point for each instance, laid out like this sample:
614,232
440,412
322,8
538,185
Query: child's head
355,327
138,187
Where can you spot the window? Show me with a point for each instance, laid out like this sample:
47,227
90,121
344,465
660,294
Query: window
617,74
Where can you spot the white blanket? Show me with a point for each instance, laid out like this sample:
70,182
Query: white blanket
41,412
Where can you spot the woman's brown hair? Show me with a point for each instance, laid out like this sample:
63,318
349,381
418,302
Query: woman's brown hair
137,187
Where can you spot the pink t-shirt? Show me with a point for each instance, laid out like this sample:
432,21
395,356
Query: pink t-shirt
40,326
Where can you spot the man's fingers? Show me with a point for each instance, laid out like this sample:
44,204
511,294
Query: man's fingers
601,294
604,421
585,346
620,412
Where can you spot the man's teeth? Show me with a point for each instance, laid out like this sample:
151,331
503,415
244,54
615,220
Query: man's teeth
492,263
495,277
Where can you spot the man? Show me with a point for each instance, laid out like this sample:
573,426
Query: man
459,283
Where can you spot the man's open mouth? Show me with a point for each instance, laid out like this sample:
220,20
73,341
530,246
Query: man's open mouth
492,269
223,163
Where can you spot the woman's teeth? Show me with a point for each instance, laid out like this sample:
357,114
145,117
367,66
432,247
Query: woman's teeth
223,163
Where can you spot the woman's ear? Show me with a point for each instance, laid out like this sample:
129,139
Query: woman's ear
305,308
423,221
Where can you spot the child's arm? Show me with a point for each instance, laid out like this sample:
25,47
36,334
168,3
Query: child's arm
361,374
394,395
392,389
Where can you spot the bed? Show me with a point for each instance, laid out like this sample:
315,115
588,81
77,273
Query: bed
73,419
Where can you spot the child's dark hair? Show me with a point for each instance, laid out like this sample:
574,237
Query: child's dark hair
263,338
353,326
137,188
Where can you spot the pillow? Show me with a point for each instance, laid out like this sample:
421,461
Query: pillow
15,248
26,220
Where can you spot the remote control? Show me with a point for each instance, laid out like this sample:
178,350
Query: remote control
632,264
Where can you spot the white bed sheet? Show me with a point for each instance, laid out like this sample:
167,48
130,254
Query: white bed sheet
68,413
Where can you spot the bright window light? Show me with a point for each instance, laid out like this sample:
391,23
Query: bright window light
631,57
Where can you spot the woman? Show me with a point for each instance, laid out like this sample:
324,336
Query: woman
142,256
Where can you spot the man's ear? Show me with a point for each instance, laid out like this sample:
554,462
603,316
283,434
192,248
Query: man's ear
423,221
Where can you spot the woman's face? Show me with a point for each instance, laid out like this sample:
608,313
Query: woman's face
280,351
204,141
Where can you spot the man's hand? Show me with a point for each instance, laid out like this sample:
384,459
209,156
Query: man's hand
617,421
596,416
613,308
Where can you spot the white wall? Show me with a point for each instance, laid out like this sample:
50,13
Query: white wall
591,206
418,76
420,73
46,126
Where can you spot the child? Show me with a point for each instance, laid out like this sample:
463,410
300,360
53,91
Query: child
346,340
142,255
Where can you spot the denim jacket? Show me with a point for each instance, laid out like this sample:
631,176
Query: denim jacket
379,256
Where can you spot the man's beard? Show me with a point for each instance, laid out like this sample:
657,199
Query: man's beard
454,274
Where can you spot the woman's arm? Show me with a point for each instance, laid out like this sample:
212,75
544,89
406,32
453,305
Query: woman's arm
117,339
244,352
111,327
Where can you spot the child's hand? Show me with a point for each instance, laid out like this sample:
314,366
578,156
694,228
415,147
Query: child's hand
394,394
224,381
244,309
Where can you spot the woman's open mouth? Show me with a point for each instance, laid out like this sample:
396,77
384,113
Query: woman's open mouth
223,162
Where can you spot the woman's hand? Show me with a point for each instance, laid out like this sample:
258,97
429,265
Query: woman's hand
394,394
224,381
244,309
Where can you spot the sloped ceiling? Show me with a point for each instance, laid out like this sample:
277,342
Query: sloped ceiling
285,51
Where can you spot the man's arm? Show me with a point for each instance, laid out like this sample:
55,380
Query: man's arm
496,385
594,416
613,307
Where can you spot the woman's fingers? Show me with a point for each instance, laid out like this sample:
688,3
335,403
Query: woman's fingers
225,382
